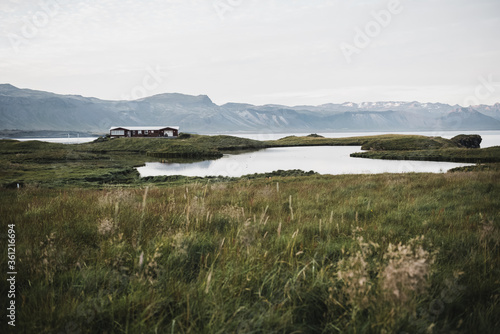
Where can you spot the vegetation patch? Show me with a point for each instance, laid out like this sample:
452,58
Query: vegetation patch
104,161
485,155
393,253
407,142
112,161
315,135
185,146
378,142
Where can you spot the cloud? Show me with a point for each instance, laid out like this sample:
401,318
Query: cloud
284,50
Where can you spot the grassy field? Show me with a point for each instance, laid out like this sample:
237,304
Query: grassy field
389,253
57,165
99,250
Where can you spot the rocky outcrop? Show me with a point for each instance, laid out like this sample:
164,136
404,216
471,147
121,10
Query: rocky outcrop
469,141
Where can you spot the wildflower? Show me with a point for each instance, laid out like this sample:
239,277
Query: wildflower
141,259
105,226
406,272
353,271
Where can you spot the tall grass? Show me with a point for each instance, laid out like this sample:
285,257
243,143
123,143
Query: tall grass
416,253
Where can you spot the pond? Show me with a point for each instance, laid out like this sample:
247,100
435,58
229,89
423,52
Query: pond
321,159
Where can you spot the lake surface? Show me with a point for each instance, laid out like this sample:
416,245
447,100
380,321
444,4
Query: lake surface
64,140
322,159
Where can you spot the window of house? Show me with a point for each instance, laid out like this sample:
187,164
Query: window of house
117,132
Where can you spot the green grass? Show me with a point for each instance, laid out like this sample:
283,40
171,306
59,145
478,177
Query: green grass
277,255
279,252
104,161
378,142
484,155
56,165
407,142
197,146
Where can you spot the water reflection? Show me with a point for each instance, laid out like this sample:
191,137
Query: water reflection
321,159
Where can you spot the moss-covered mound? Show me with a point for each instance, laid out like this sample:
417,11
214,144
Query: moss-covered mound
407,142
190,146
485,155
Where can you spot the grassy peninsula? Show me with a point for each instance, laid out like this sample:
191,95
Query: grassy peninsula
427,149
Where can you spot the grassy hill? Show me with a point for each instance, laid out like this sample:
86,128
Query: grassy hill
193,146
484,155
378,142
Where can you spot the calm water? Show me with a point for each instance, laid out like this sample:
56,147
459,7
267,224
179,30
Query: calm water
321,159
68,140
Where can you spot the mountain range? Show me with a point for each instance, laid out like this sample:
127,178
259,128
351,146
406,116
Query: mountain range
30,110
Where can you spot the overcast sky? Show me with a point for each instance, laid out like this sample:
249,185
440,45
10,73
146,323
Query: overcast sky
277,51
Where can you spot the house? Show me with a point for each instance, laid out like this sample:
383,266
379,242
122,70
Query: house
144,131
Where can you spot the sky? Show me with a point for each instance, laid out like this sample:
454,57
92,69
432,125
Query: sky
290,52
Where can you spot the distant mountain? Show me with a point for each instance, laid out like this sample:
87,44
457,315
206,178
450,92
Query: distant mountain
492,111
24,109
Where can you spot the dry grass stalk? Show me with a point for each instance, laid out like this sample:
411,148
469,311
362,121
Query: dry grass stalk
489,234
106,226
406,272
354,272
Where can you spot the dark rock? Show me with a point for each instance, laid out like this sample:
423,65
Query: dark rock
468,141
